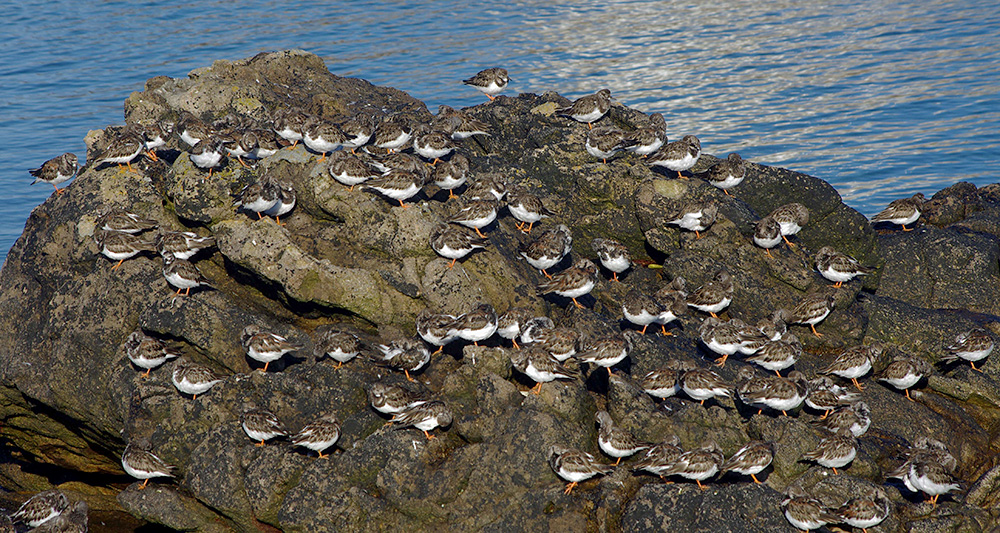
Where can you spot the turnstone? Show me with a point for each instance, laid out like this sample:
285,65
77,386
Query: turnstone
778,393
192,378
182,244
925,473
424,416
574,282
548,249
437,329
773,326
616,441
285,203
750,460
323,137
778,355
121,150
865,511
391,399
265,347
853,363
478,324
192,130
752,339
608,350
261,425
790,218
146,352
526,208
242,144
398,185
392,133
904,373
855,418
614,255
72,520
673,299
713,296
721,337
701,384
432,145
476,214
459,124
319,434
836,451
825,395
455,242
357,130
182,274
806,513
349,169
727,173
589,109
155,135
811,311
696,216
606,141
575,465
41,508
259,196
452,174
561,343
491,81
767,234
973,345
121,246
665,382
533,328
659,458
290,125
535,362
140,463
491,184
207,154
117,219
56,170
642,310
510,323
267,144
398,161
406,355
902,212
699,464
838,267
677,155
648,138
337,344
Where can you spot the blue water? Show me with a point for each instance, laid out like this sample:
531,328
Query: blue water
880,98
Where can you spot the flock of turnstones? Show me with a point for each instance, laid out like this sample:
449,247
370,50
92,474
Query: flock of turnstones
368,152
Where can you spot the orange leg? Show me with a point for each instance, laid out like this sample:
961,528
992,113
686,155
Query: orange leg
242,164
615,276
577,303
530,225
618,461
856,384
428,435
490,97
451,194
401,204
261,443
755,480
516,347
152,155
713,314
479,233
816,333
265,366
768,252
697,234
547,274
537,389
700,486
118,265
838,285
187,291
911,229
408,378
569,488
439,350
144,484
663,329
339,364
590,125
277,219
720,362
835,471
58,190
643,332
321,159
908,395
452,262
788,242
826,414
609,371
934,499
321,456
727,193
146,373
974,367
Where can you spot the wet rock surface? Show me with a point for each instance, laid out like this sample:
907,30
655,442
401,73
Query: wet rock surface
70,400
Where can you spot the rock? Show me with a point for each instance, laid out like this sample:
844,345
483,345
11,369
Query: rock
346,259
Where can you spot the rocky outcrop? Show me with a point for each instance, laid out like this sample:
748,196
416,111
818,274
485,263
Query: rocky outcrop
69,399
